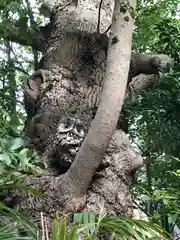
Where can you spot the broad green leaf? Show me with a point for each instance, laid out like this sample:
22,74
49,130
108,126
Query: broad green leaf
15,144
78,217
1,169
62,229
55,230
23,156
146,198
5,158
73,233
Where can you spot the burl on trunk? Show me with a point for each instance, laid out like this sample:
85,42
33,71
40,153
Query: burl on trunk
61,100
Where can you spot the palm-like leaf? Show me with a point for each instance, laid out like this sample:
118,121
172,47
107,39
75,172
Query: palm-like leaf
136,229
122,227
85,227
21,222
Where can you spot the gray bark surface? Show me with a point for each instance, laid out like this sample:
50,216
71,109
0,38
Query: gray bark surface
61,103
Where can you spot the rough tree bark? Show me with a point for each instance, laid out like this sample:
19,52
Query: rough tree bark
61,101
91,152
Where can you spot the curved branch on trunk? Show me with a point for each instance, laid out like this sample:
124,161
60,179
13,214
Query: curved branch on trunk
96,142
149,64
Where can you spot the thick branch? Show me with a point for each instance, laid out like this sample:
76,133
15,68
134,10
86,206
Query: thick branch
144,69
143,81
146,63
25,37
94,146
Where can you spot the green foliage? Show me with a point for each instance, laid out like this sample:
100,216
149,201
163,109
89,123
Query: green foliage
168,41
151,25
14,162
88,226
13,155
84,226
14,225
154,115
7,5
44,10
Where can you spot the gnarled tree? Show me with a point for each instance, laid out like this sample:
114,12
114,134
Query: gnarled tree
63,101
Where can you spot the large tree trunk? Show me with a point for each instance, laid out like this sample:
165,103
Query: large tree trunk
61,102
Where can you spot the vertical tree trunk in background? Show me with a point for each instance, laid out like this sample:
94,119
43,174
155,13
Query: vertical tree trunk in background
149,183
33,26
12,84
